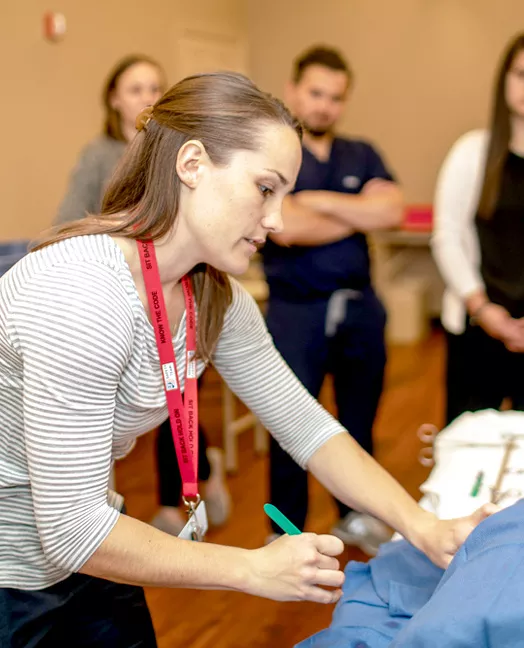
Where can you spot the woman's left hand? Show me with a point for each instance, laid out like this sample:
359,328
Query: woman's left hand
441,539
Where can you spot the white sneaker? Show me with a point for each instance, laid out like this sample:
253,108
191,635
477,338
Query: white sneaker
169,520
363,531
216,493
172,520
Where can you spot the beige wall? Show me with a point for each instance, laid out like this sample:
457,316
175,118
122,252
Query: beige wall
423,68
50,103
424,72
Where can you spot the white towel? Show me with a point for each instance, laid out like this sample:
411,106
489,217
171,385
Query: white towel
473,443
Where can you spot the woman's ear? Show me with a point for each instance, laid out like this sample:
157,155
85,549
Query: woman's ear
112,100
191,161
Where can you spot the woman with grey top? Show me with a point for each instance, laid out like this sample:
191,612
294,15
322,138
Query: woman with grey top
135,82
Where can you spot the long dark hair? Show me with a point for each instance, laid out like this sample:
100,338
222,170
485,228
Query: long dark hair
225,112
500,133
113,121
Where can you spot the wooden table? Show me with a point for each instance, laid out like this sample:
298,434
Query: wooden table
400,254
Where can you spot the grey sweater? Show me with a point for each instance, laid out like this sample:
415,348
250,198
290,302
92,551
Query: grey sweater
89,178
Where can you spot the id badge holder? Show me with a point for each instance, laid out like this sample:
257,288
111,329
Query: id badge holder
197,525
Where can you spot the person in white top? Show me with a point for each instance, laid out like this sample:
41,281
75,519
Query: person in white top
478,244
80,378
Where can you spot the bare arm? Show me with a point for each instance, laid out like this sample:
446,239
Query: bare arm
291,568
306,226
496,321
139,554
357,479
246,356
379,206
341,461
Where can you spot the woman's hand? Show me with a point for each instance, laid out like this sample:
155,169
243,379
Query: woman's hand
296,568
441,539
495,320
516,342
498,323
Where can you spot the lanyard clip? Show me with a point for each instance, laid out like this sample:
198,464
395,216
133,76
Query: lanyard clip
197,534
191,503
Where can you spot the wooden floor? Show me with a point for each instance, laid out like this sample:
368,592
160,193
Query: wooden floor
190,619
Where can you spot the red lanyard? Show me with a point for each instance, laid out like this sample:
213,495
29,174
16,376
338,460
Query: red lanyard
183,412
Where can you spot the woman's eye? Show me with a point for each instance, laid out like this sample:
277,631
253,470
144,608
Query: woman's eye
265,191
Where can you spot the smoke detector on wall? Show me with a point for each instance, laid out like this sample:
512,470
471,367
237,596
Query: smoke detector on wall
54,26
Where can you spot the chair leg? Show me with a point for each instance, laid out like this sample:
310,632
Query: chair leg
261,439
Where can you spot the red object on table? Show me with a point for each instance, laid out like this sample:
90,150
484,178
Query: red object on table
418,218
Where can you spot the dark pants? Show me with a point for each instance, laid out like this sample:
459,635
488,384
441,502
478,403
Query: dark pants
80,611
356,358
481,373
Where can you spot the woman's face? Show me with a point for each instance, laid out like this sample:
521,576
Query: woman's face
139,86
515,86
230,210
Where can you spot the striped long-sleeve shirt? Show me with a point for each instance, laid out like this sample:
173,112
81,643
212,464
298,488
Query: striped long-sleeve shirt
80,380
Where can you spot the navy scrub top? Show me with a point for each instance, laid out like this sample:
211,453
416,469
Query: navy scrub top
313,273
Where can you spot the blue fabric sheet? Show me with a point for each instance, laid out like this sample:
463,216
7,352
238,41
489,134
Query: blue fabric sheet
479,603
379,598
401,600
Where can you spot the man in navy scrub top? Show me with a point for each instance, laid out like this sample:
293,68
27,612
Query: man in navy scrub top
323,313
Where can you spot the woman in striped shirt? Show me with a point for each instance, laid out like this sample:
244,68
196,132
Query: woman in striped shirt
135,82
80,379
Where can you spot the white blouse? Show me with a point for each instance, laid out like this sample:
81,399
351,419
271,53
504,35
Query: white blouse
454,242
